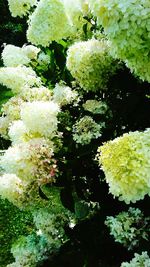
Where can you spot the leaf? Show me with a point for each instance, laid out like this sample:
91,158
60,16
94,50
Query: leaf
81,209
42,195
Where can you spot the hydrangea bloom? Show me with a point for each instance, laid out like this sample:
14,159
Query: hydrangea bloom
18,132
95,106
35,94
74,12
64,95
125,227
11,108
127,25
16,78
31,161
43,59
14,56
4,125
85,130
125,162
20,7
29,251
51,226
31,51
142,260
48,23
85,6
40,117
11,188
90,64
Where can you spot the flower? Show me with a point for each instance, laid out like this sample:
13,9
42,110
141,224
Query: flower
86,129
64,95
31,51
29,251
48,23
126,227
95,107
11,108
13,56
74,11
12,188
4,125
40,117
127,25
18,132
43,59
31,161
138,260
16,78
126,164
20,7
91,64
35,94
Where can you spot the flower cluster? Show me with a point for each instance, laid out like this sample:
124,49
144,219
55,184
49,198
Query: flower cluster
64,95
91,64
15,78
44,116
10,112
75,11
86,129
12,188
20,7
14,56
125,162
43,59
31,161
11,108
138,260
128,228
51,226
29,250
4,125
48,23
96,107
127,25
18,132
41,93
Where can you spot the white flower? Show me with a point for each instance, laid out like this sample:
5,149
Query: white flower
11,188
40,117
17,132
91,64
64,95
20,7
126,229
16,78
74,13
126,164
11,108
86,129
14,56
31,161
31,51
138,260
43,59
127,25
35,94
95,107
48,23
4,125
